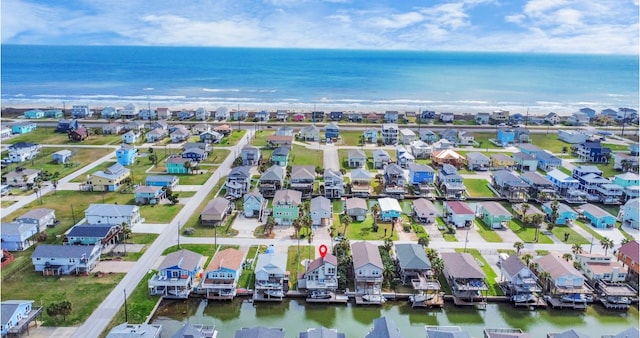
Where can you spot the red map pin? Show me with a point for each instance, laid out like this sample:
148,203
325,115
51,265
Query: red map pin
323,250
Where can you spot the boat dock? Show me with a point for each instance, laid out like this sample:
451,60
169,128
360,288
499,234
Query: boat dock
557,303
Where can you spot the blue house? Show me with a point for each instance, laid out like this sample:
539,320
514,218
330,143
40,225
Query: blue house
53,113
169,181
505,137
240,115
427,115
185,115
61,156
331,131
593,152
634,149
14,311
530,149
34,114
222,274
370,135
109,113
176,275
254,204
23,127
391,116
92,234
427,136
450,135
598,217
389,209
421,174
17,236
317,116
262,116
56,260
66,126
280,156
547,161
195,154
250,155
565,213
126,154
145,194
336,115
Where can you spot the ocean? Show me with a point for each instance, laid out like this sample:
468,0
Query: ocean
306,79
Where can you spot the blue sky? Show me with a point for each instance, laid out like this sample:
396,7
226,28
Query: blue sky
558,26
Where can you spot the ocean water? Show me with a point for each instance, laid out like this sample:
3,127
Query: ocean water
249,78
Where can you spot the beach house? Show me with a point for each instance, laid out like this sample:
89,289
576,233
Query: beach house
356,208
23,151
41,217
447,156
630,213
510,185
17,315
144,194
333,184
597,216
222,274
281,115
465,138
209,136
505,136
367,268
391,116
65,125
421,174
110,179
271,276
565,281
593,152
424,211
630,182
380,158
562,182
525,162
499,116
547,161
302,179
428,136
427,116
450,183
331,131
539,186
477,161
407,136
93,234
280,156
53,113
62,156
413,262
458,213
356,158
130,137
465,277
390,209
321,211
370,136
628,254
494,215
81,112
320,275
130,111
446,117
21,177
112,129
176,275
404,157
176,164
360,182
420,149
450,135
482,118
113,214
23,127
336,115
240,115
501,161
148,114
286,206
155,135
390,133
109,113
164,113
216,211
572,136
521,282
565,214
238,182
250,155
309,133
57,260
317,116
271,181
354,117
33,114
393,180
17,236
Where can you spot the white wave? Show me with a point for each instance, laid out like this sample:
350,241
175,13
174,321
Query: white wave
148,88
219,90
616,95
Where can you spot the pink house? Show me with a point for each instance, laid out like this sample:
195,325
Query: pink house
298,117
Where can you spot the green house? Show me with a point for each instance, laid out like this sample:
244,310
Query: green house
494,214
280,156
286,206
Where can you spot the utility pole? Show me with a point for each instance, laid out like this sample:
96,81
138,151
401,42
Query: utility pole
178,234
126,314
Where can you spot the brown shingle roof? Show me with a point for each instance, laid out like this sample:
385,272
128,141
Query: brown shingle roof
228,258
461,265
364,253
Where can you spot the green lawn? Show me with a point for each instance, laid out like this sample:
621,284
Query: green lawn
209,231
351,137
616,147
217,156
494,289
478,187
607,169
445,234
83,156
246,278
483,139
232,139
363,230
549,142
302,156
565,170
260,138
139,305
559,230
527,233
47,135
295,261
487,233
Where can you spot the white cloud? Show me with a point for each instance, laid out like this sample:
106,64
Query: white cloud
397,21
449,15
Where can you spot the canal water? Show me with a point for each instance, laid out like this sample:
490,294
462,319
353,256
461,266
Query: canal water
295,316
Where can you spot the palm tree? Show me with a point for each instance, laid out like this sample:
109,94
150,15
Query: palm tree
624,241
518,246
576,248
437,265
424,241
524,208
544,276
271,222
297,225
527,258
567,256
554,211
536,220
375,210
345,220
389,273
606,243
188,166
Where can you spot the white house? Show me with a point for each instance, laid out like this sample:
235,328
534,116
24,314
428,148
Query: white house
113,214
202,114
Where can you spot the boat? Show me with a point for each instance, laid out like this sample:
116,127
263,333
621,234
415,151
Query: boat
574,297
320,294
619,300
523,298
421,297
274,293
374,298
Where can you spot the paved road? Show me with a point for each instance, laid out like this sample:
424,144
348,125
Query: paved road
331,160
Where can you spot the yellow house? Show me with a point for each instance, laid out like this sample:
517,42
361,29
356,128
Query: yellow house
107,180
502,161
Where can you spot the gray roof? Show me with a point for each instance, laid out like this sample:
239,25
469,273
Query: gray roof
273,173
8,307
501,157
321,203
523,157
328,172
272,263
126,330
161,178
110,209
512,265
64,152
241,171
303,171
287,196
364,253
423,205
321,332
495,209
412,256
259,332
446,332
188,331
569,334
461,265
535,178
17,228
418,167
36,213
216,206
393,169
90,230
356,202
380,152
507,177
562,208
280,151
360,174
477,156
384,327
185,259
356,153
631,332
62,251
595,210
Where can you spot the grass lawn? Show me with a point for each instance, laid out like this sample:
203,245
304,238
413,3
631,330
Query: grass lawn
478,187
295,264
217,156
548,142
231,140
363,230
590,230
487,233
445,234
527,233
246,279
494,289
209,231
260,138
43,161
302,156
136,239
616,147
559,230
607,170
350,137
484,138
47,135
565,170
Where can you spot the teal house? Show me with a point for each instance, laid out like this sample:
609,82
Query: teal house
494,215
145,194
286,206
566,214
53,113
178,165
126,154
280,156
23,127
34,114
92,234
598,217
254,204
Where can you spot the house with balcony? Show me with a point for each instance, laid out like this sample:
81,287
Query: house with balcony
422,178
390,209
148,114
179,135
216,211
494,215
589,184
565,185
583,170
442,145
427,116
58,260
446,117
629,256
356,158
499,116
18,236
92,234
250,155
299,117
428,136
538,184
144,194
465,277
566,284
547,161
238,182
66,125
450,183
393,180
271,275
505,137
177,275
275,141
155,135
380,158
210,136
254,205
458,213
331,131
609,193
195,154
357,208
593,152
262,116
566,214
482,118
478,161
302,179
222,274
130,137
450,135
413,262
630,183
336,115
424,211
23,151
280,156
113,214
630,213
320,275
391,116
333,184
321,211
53,113
501,161
185,115
81,112
41,217
390,133
239,115
510,185
354,117
404,157
166,181
177,164
407,136
17,315
465,138
420,149
130,111
110,179
34,114
447,156
360,182
317,116
572,136
281,115
309,133
286,206
164,113
625,162
126,154
370,136
597,216
530,149
22,177
522,283
521,134
367,268
271,181
598,267
525,162
578,119
203,114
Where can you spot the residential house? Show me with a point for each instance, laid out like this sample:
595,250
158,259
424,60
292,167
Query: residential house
130,137
356,208
354,117
501,161
598,267
629,256
155,135
466,138
333,184
394,180
272,277
538,184
126,154
210,137
130,111
380,158
240,115
203,114
572,136
23,151
309,133
250,155
222,274
79,135
271,181
630,213
336,116
321,211
450,183
41,217
215,212
564,279
499,116
356,158
136,126
390,209
525,162
286,206
274,141
17,315
176,275
516,118
92,234
23,127
144,194
331,131
626,163
222,113
564,184
302,179
195,154
634,149
81,112
254,205
465,277
609,193
428,136
530,149
113,214
578,119
420,149
391,116
367,268
447,156
320,274
21,177
112,129
370,136
148,114
588,111
179,135
424,211
280,156
17,236
593,152
384,327
164,114
421,174
62,156
505,137
53,113
547,161
477,161
238,182
185,115
522,283
427,116
450,135
65,126
523,214
584,170
110,179
598,217
494,215
413,262
589,183
404,157
262,116
258,332
5,132
57,260
521,135
448,332
33,114
630,182
407,136
482,118
317,116
510,185
360,182
281,115
390,133
446,117
552,118
458,213
126,330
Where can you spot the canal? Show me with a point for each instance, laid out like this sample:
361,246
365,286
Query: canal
295,316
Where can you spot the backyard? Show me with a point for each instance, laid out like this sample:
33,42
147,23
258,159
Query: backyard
478,187
47,135
43,161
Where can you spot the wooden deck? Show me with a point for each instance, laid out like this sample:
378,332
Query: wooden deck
342,299
559,304
436,301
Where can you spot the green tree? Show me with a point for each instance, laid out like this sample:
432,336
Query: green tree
424,240
606,243
518,246
388,244
345,220
545,277
527,258
567,256
536,221
524,208
271,223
